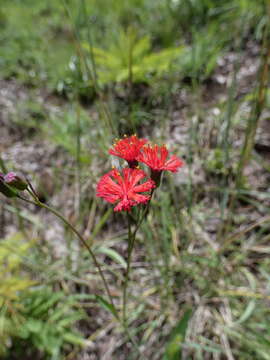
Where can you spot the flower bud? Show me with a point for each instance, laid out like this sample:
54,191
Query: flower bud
16,181
4,189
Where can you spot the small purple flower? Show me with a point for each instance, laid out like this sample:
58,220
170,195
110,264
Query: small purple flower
16,181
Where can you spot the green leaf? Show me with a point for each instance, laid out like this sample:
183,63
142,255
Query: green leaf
41,306
34,325
73,338
107,306
113,255
70,319
102,222
247,313
177,336
129,52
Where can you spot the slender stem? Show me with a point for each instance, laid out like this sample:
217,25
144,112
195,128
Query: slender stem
258,107
26,200
80,237
92,74
144,213
78,157
56,213
131,241
253,122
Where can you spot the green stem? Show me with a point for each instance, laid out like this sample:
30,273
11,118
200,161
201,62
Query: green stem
78,155
131,238
76,232
92,74
56,213
131,242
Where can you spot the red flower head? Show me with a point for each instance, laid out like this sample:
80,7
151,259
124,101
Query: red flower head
115,186
156,157
128,149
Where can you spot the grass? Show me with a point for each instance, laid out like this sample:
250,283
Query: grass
199,282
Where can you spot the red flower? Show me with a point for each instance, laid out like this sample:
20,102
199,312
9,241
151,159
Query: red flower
156,157
128,149
115,186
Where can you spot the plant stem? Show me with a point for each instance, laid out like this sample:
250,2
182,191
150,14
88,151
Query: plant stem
83,61
131,242
225,142
80,237
78,157
256,111
253,122
75,231
56,213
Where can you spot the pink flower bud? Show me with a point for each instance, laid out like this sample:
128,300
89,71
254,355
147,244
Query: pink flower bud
6,190
16,181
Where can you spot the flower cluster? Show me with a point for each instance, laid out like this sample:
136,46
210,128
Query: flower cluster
126,187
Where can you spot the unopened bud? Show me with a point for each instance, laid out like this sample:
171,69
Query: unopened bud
16,181
5,189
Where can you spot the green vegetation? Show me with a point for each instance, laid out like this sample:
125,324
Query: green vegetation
75,75
33,313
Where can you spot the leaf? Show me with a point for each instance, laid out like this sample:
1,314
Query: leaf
42,305
177,336
102,222
33,325
207,348
113,64
70,319
107,306
113,255
247,313
73,338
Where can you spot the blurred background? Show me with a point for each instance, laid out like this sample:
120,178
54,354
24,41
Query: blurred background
74,75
